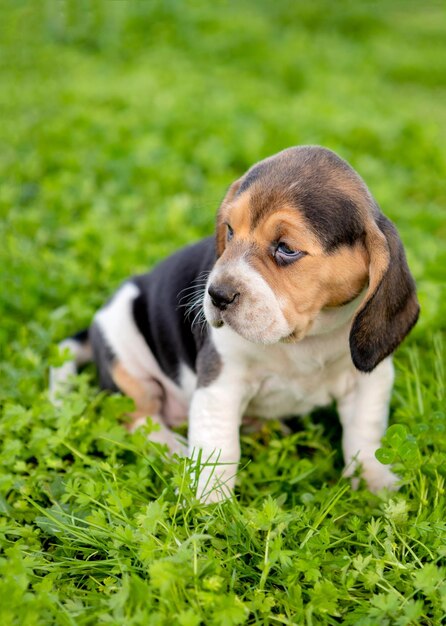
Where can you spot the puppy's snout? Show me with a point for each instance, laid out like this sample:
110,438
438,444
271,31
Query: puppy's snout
223,296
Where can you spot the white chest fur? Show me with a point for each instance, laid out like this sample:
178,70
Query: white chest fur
287,379
279,380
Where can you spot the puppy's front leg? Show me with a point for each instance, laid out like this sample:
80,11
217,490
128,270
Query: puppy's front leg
364,417
214,439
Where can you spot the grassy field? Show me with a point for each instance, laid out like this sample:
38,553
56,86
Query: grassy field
122,124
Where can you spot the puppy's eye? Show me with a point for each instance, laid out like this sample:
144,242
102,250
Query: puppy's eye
229,233
284,255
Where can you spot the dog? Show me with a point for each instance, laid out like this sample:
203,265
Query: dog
299,299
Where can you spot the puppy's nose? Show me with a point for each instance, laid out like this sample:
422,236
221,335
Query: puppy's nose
222,296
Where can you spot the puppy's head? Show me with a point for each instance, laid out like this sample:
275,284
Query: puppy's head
300,234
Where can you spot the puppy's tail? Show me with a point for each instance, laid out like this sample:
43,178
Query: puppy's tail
80,347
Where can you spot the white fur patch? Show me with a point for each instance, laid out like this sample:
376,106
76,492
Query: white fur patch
131,350
59,376
286,379
188,381
122,335
364,415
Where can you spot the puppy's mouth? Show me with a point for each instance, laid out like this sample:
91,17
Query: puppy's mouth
297,334
217,323
262,336
291,338
214,317
218,319
230,318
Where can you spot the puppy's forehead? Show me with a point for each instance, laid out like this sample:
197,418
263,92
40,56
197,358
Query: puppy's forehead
314,181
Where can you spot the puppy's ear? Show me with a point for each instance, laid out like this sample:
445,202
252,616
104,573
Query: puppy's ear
390,307
220,226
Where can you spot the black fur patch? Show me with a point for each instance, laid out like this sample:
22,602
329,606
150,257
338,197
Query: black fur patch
208,364
103,357
255,173
169,331
333,217
391,311
82,336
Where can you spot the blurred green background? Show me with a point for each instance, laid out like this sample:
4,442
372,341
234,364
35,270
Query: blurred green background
123,122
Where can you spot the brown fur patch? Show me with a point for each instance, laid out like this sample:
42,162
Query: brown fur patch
285,224
234,213
147,395
221,229
317,280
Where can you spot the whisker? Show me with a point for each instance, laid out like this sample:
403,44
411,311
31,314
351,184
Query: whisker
192,289
197,285
194,300
193,297
203,325
205,273
196,320
191,310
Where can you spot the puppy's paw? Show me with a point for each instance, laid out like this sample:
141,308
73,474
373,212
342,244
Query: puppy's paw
215,481
175,442
160,434
178,445
376,475
379,477
214,495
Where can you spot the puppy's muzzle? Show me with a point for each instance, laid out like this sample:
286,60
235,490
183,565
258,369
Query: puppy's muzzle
223,296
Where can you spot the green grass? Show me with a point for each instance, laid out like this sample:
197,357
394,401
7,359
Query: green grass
122,124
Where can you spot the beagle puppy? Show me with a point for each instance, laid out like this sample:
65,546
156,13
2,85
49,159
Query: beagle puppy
299,300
